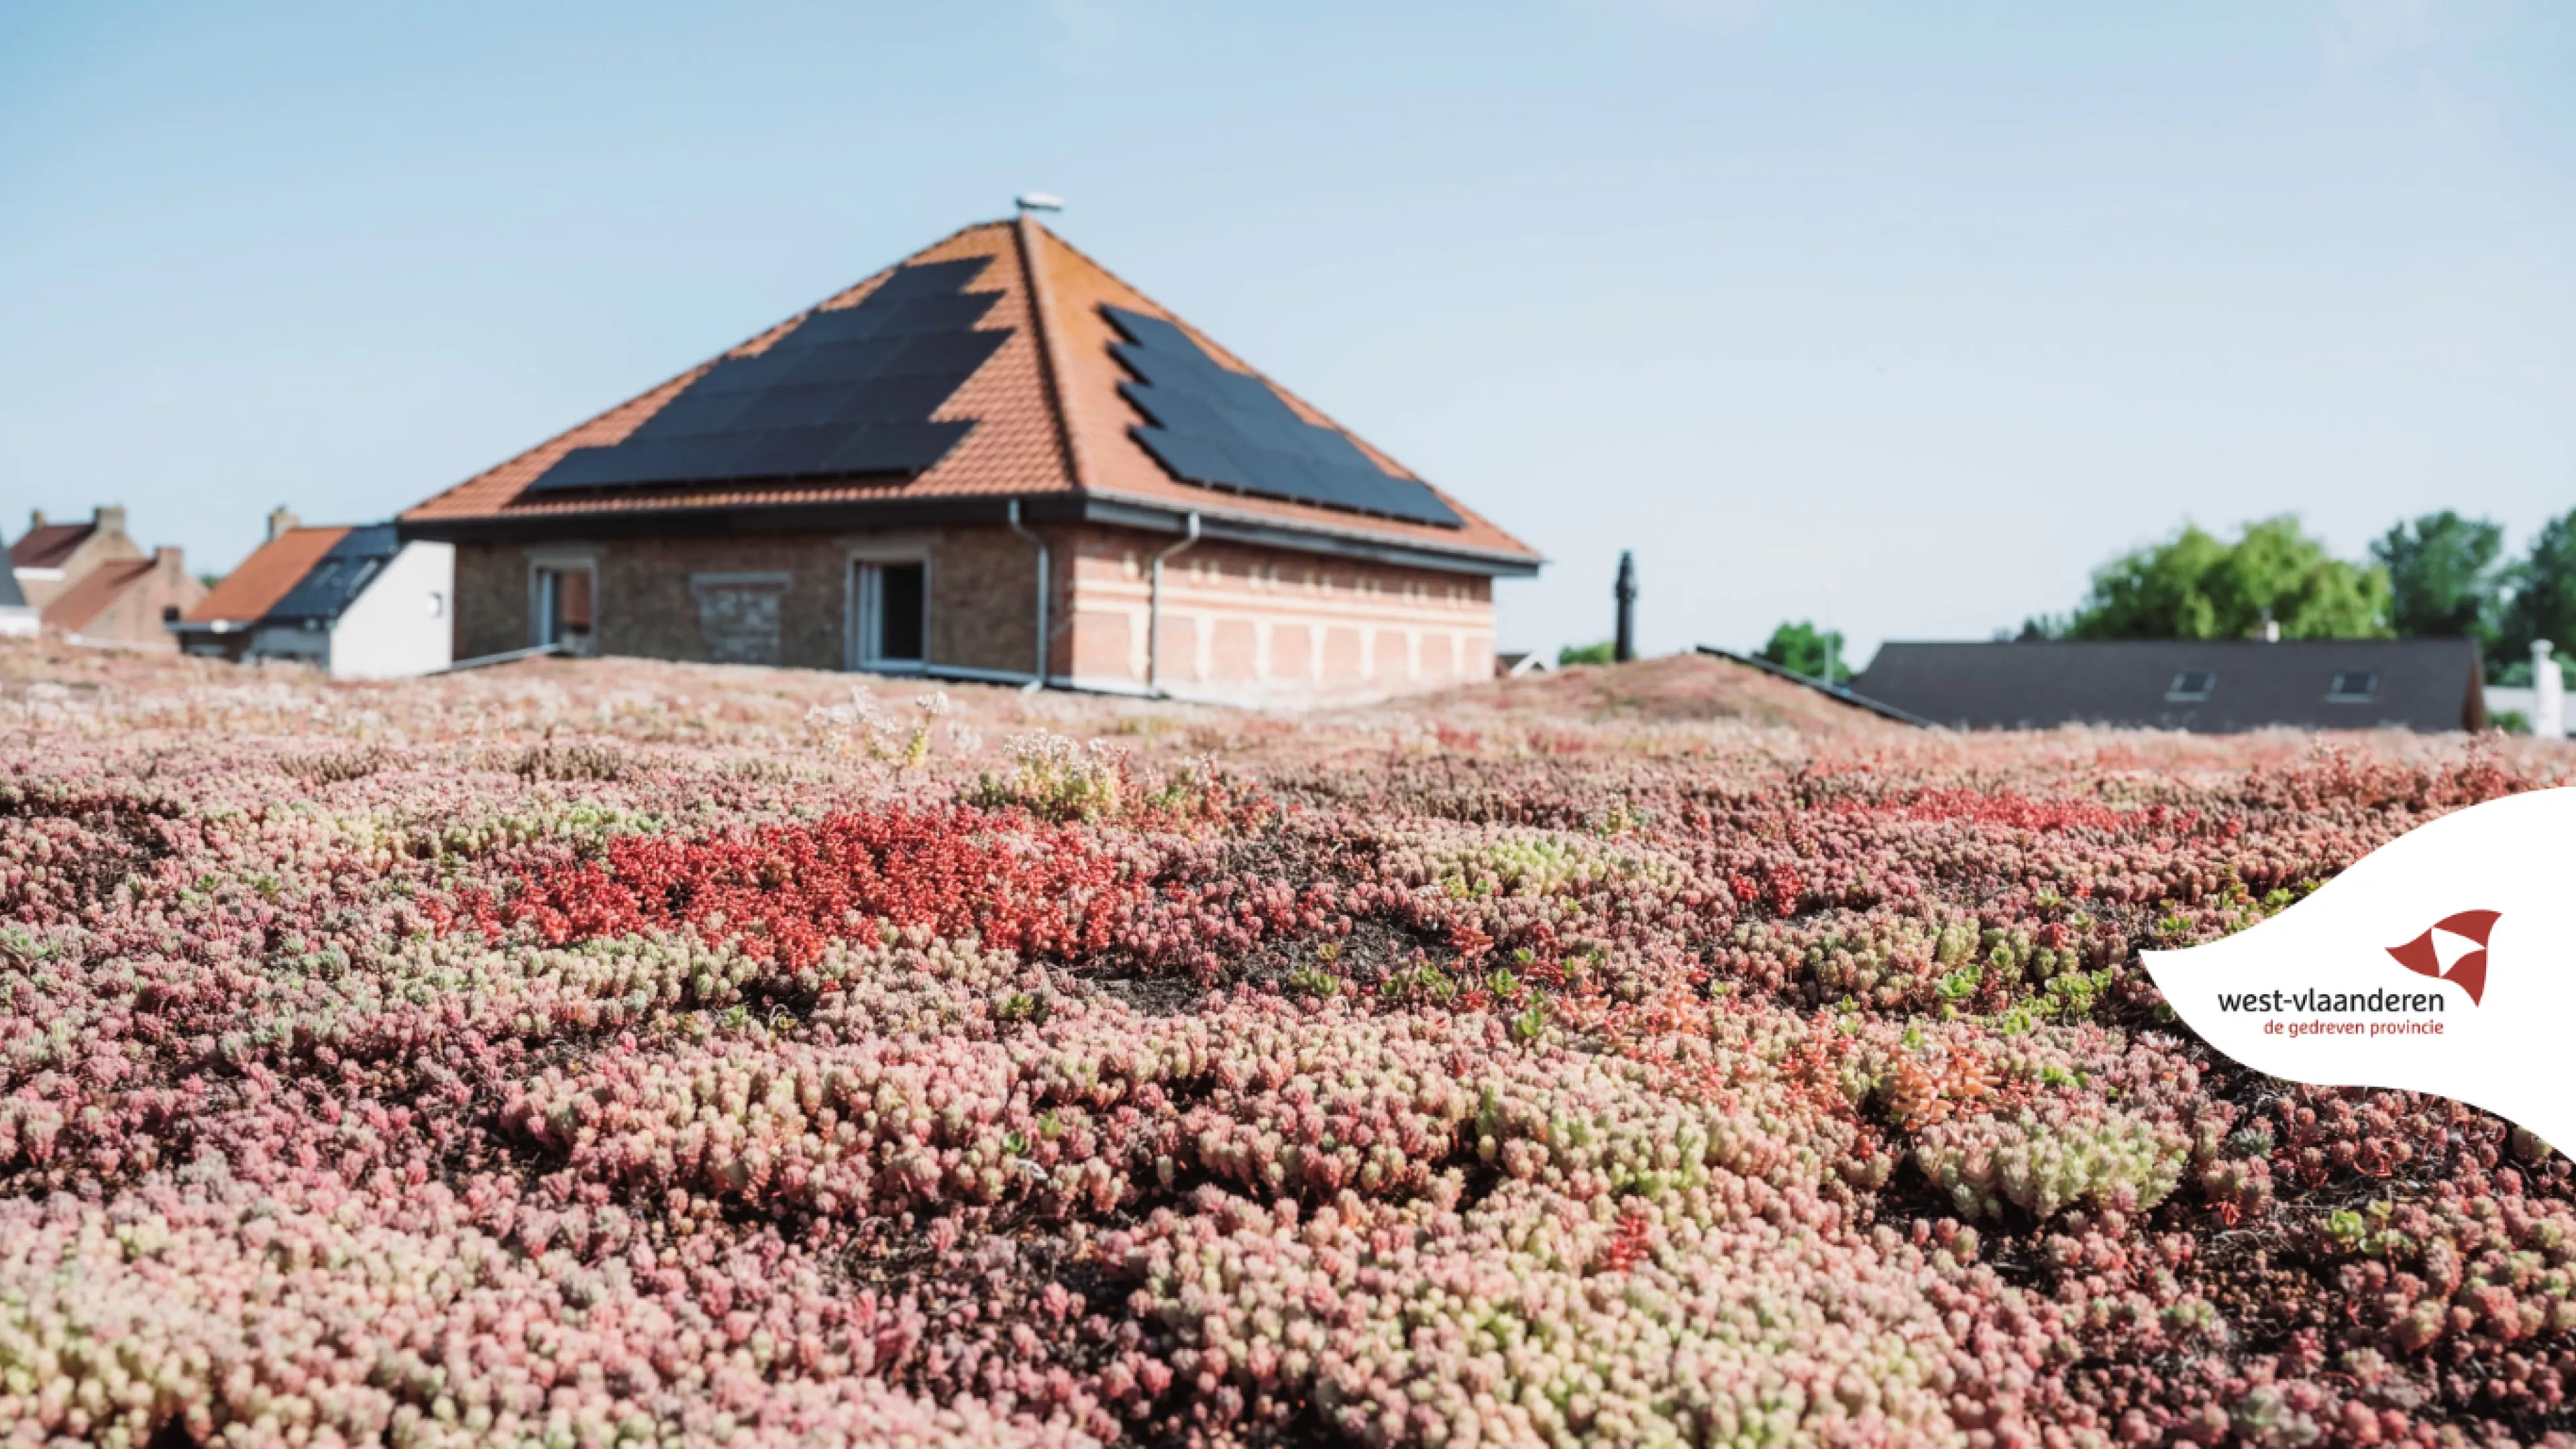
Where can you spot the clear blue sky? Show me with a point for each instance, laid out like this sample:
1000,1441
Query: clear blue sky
1894,315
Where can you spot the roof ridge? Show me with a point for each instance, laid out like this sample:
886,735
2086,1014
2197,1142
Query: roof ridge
1041,304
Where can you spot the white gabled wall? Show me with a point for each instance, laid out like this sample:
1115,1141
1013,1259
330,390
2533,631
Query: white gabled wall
402,623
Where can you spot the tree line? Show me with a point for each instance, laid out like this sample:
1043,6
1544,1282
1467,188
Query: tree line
2440,575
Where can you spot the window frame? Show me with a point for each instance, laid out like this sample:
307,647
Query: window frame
2181,692
862,620
2368,693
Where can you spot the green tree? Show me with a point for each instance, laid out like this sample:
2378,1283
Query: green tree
2192,586
1801,648
2543,600
2442,575
1587,653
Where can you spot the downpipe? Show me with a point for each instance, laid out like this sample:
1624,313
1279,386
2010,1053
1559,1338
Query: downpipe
1154,610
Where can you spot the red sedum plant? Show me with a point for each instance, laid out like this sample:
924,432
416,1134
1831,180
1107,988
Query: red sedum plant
608,1053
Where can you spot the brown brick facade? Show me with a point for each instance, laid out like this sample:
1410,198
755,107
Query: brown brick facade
1240,622
781,599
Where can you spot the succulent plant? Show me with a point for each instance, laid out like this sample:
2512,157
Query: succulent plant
624,1053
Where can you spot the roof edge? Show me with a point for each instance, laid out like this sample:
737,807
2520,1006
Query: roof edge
1156,516
1833,692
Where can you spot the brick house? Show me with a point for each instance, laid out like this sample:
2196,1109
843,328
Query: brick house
92,583
992,444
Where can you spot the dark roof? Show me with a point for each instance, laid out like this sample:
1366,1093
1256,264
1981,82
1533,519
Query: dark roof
2416,684
47,545
336,580
11,596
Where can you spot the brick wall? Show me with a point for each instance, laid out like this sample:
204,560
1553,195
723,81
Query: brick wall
758,598
1260,625
1239,622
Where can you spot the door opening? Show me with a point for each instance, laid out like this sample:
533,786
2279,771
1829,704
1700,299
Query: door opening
894,615
566,611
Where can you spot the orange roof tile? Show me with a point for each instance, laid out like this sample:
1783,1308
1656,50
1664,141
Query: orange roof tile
255,586
1049,420
89,597
47,546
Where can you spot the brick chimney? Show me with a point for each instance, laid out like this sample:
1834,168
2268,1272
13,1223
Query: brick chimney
169,559
282,523
110,518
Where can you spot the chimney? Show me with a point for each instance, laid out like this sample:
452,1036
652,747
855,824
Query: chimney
2271,631
170,560
282,523
2548,694
1624,648
35,518
109,518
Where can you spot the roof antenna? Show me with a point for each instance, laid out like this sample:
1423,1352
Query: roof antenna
1029,201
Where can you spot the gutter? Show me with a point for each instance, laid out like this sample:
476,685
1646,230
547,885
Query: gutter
1162,516
505,657
1833,692
895,511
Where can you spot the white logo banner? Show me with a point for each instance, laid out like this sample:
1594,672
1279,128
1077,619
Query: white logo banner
2444,961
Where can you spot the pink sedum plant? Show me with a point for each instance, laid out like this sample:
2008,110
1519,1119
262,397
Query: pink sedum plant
610,1053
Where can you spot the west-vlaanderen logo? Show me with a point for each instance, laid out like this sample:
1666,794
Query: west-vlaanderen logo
2424,957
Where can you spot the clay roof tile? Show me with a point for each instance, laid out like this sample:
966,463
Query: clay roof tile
1047,414
259,581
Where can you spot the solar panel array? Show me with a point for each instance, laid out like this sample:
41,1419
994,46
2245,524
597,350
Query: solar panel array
336,579
1220,428
847,392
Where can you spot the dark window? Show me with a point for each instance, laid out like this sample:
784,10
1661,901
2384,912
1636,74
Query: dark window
900,613
2355,685
2192,684
564,609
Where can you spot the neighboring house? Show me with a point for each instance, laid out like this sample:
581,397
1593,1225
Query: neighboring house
18,618
50,557
993,461
2214,686
1514,666
357,602
91,583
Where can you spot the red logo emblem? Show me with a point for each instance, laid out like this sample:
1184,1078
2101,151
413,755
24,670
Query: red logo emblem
2470,971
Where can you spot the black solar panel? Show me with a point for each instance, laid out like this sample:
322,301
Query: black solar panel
1219,428
336,579
845,392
